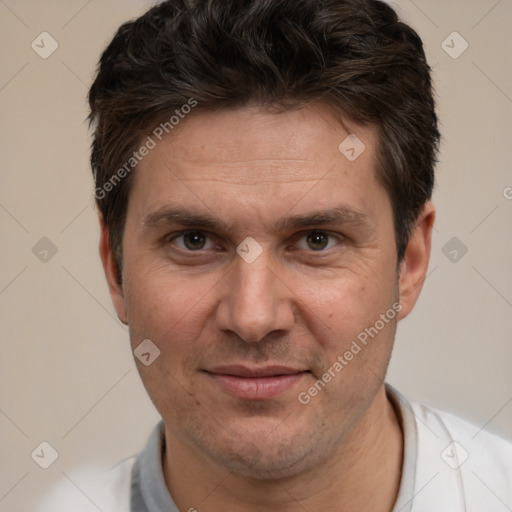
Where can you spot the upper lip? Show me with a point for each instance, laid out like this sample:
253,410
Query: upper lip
248,372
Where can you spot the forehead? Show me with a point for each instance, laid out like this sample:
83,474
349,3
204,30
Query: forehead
259,137
264,160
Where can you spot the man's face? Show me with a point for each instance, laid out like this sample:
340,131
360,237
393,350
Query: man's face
244,337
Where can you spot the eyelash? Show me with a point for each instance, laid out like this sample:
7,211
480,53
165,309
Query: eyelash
297,237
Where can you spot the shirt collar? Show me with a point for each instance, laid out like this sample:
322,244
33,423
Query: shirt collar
149,492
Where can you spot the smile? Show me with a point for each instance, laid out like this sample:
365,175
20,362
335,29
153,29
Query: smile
256,383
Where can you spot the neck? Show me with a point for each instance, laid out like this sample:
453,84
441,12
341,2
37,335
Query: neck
363,473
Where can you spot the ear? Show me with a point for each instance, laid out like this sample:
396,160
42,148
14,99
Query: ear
110,269
413,268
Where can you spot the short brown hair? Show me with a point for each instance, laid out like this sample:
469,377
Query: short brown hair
355,55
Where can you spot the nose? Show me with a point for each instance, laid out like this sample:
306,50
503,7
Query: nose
256,302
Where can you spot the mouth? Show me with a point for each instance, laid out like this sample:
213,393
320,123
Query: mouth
255,383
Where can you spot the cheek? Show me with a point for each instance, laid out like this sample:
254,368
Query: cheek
337,310
170,311
164,305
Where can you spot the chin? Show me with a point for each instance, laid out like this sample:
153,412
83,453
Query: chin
267,457
264,466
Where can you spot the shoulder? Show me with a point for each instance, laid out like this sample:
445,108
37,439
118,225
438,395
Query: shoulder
114,490
479,443
454,454
89,489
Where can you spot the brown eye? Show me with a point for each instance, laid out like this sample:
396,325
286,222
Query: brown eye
194,240
317,240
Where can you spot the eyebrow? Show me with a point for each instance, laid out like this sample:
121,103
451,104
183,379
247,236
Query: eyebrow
341,215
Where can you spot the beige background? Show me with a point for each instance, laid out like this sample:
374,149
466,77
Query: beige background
66,372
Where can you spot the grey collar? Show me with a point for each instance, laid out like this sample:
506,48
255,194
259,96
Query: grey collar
149,492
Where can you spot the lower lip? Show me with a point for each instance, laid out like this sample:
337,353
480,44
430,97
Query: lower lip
256,388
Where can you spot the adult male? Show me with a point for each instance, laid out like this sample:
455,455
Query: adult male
263,174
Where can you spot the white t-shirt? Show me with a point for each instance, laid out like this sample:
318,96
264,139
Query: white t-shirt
449,465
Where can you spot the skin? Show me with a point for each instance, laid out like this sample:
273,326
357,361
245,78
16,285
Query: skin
300,304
